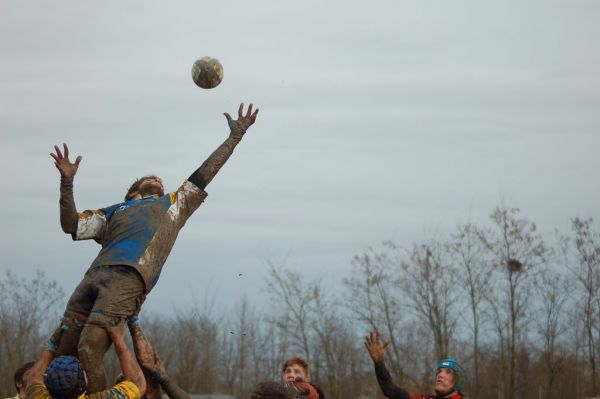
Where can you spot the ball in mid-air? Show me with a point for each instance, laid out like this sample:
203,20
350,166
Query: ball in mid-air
207,72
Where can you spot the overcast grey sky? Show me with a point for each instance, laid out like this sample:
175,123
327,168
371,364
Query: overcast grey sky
384,120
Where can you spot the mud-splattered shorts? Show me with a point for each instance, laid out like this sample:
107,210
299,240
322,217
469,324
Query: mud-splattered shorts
105,296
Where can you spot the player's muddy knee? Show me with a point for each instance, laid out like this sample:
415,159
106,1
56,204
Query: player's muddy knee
73,321
93,343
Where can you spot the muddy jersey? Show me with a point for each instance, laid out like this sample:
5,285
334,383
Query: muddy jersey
123,390
140,233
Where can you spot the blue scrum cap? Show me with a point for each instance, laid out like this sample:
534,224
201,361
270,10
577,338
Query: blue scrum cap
65,374
454,366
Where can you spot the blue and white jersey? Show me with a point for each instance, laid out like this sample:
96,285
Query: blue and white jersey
140,233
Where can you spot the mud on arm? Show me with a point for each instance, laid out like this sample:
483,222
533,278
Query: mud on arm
152,365
67,170
172,390
207,171
68,211
129,365
209,168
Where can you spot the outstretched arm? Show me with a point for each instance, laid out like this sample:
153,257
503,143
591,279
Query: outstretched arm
377,352
207,171
131,369
68,211
152,366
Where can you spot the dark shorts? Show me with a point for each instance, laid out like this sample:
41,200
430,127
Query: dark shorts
105,296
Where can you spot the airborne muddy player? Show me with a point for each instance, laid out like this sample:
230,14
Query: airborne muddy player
136,237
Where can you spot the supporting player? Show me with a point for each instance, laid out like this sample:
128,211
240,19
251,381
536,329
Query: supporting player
64,377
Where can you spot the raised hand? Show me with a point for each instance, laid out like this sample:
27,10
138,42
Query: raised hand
375,347
62,162
243,122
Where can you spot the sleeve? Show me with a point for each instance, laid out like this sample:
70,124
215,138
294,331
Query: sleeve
388,388
37,391
91,225
185,201
211,166
68,210
172,390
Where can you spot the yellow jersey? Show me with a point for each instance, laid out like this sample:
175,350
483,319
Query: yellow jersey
123,390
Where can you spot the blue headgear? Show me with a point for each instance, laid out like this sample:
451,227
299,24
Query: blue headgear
64,377
454,366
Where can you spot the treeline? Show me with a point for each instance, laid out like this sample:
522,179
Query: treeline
520,312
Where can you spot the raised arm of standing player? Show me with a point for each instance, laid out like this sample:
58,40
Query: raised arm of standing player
129,365
67,169
377,351
205,173
153,367
190,194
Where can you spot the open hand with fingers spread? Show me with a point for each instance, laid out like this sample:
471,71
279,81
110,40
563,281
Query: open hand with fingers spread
243,122
375,347
62,162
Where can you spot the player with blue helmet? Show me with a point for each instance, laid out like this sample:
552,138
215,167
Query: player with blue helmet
449,378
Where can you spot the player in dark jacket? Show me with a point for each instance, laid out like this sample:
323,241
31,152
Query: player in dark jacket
448,382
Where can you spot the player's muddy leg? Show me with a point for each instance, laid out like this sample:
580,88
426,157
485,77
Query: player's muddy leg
93,344
69,340
76,315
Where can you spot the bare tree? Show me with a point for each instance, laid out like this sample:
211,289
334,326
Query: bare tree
517,251
293,296
554,290
335,343
245,340
584,246
373,296
475,273
29,311
430,282
195,350
309,318
265,358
